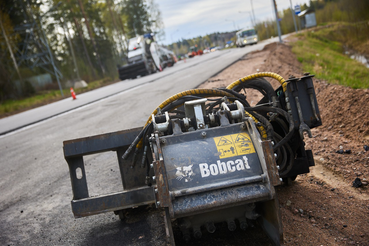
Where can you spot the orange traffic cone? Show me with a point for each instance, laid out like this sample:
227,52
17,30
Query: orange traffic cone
73,93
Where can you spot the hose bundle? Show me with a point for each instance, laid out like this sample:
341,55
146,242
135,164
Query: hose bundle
273,122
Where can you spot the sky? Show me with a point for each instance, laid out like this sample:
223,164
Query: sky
192,18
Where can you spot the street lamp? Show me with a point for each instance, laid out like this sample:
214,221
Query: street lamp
234,25
293,15
253,13
251,19
171,35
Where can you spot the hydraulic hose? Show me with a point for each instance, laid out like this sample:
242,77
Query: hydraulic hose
204,92
260,84
280,79
285,115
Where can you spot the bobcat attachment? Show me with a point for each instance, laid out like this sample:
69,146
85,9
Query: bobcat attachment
206,156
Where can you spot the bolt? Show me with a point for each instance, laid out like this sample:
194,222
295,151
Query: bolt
275,155
197,232
243,126
158,203
232,225
201,125
278,167
203,134
243,224
152,165
272,142
186,236
163,141
280,179
153,177
210,227
156,190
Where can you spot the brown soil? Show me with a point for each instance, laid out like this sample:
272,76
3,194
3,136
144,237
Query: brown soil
322,207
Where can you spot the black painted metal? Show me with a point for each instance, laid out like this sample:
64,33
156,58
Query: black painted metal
113,202
218,199
133,179
99,143
185,154
302,88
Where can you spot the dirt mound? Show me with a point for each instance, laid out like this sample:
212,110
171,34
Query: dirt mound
322,207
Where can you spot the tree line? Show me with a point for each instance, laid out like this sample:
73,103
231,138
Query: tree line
87,38
325,11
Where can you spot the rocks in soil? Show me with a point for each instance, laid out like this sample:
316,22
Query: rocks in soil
357,183
341,151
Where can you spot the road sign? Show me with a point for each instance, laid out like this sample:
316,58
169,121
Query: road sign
297,9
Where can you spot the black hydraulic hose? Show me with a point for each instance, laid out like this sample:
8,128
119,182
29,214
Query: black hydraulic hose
259,84
146,135
281,153
268,126
235,93
179,102
134,143
291,154
285,115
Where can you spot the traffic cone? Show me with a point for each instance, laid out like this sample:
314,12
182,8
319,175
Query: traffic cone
73,93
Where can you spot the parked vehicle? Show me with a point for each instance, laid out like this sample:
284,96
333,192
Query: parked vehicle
145,56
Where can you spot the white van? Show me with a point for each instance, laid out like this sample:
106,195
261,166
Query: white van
246,36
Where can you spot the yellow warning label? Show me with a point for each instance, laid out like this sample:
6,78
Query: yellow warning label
234,145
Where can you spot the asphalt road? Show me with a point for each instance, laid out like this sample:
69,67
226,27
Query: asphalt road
34,178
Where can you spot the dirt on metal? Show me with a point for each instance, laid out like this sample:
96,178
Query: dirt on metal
321,207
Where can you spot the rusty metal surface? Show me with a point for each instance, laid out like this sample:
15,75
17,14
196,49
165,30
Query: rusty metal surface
162,191
218,199
218,185
271,163
99,143
113,202
133,179
271,221
79,184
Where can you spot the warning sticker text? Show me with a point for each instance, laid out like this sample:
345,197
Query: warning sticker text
234,145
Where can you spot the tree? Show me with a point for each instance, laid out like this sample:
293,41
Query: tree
136,17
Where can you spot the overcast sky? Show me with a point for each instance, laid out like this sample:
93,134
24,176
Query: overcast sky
192,18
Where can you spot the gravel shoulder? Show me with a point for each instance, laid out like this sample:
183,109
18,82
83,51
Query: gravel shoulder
321,207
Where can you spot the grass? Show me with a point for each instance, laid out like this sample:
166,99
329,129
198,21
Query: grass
10,107
326,59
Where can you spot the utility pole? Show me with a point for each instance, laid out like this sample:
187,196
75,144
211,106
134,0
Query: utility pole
293,15
253,13
276,18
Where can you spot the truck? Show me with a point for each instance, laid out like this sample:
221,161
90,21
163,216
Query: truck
246,36
206,157
194,51
145,57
